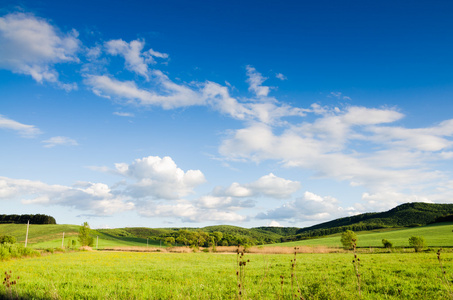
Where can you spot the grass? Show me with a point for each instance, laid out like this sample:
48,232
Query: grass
107,275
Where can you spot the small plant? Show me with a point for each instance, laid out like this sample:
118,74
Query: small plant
356,263
9,283
444,274
418,242
387,244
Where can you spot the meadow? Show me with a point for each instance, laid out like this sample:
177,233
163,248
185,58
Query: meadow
384,273
123,275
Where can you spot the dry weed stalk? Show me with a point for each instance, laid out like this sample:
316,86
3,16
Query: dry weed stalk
444,274
356,263
240,272
9,283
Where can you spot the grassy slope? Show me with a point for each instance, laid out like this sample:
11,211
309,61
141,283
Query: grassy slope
50,236
436,235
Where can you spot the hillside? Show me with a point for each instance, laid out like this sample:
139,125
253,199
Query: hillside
405,215
402,216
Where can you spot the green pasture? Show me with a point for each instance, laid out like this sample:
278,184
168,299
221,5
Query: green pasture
51,236
107,275
436,235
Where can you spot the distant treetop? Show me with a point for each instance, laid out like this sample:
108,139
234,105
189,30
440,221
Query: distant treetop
23,219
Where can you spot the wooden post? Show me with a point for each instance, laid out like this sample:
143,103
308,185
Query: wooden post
62,242
26,236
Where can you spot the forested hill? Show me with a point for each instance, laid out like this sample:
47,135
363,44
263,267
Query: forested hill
405,215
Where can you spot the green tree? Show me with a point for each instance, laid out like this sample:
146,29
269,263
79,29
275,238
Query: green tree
348,239
387,243
84,235
418,242
217,237
169,241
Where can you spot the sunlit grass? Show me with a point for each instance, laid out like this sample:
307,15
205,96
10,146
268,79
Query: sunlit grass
107,275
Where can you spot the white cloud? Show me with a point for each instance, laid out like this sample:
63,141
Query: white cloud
274,223
96,197
188,212
169,96
22,129
310,207
135,59
123,114
354,145
159,178
255,81
59,141
268,186
32,46
280,76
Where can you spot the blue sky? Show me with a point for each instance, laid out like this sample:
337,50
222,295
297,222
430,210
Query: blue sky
250,113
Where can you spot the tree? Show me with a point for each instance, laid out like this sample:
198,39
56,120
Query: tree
418,242
169,241
348,239
84,235
387,243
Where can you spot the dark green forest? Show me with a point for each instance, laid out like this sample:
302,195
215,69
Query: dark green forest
23,219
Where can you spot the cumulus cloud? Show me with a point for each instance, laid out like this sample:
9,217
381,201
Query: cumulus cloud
59,141
22,129
268,186
188,212
310,207
159,178
355,145
32,46
95,197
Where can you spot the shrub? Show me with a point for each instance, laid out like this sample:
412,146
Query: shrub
7,239
348,238
387,243
418,242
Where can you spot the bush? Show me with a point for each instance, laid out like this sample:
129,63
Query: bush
348,239
387,243
7,239
418,242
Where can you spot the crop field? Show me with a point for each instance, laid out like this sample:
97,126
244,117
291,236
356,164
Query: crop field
121,275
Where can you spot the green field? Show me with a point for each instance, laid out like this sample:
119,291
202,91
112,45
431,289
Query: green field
436,235
119,275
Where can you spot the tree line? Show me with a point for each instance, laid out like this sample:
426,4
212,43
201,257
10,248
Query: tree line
23,219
